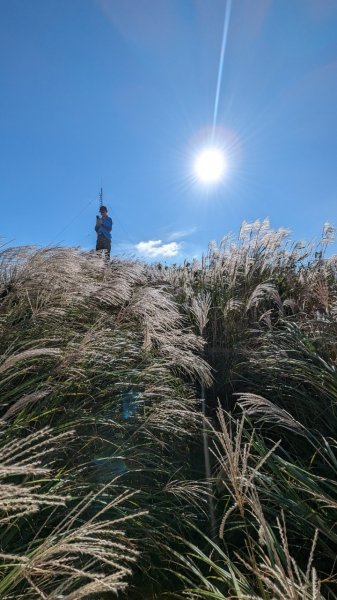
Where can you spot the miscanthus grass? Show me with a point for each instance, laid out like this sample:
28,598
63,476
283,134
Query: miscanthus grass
98,420
101,373
267,311
276,536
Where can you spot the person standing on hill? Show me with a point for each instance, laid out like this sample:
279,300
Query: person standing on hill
103,229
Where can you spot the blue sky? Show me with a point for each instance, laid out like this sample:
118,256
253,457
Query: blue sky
122,92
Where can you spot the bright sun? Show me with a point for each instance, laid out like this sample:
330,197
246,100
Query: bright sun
210,165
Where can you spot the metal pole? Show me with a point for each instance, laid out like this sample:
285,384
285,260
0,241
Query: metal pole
207,462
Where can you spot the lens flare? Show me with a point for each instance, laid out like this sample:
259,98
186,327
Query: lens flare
210,165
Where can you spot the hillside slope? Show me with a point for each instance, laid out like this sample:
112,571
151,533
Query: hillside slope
103,486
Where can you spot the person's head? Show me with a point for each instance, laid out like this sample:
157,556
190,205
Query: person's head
104,211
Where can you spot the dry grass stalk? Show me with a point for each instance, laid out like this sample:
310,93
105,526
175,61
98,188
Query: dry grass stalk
28,354
266,411
25,458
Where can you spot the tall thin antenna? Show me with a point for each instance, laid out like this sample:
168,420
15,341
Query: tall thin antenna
101,197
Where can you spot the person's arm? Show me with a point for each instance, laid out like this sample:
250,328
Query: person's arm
107,224
98,224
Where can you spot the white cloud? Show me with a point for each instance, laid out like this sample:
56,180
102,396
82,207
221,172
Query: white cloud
176,235
154,248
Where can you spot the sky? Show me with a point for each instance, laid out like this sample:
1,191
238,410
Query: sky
121,93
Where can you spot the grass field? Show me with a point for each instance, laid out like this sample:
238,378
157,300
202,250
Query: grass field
170,431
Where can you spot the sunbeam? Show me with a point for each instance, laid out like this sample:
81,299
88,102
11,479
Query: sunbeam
221,62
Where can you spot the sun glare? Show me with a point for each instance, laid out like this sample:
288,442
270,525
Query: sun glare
210,165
